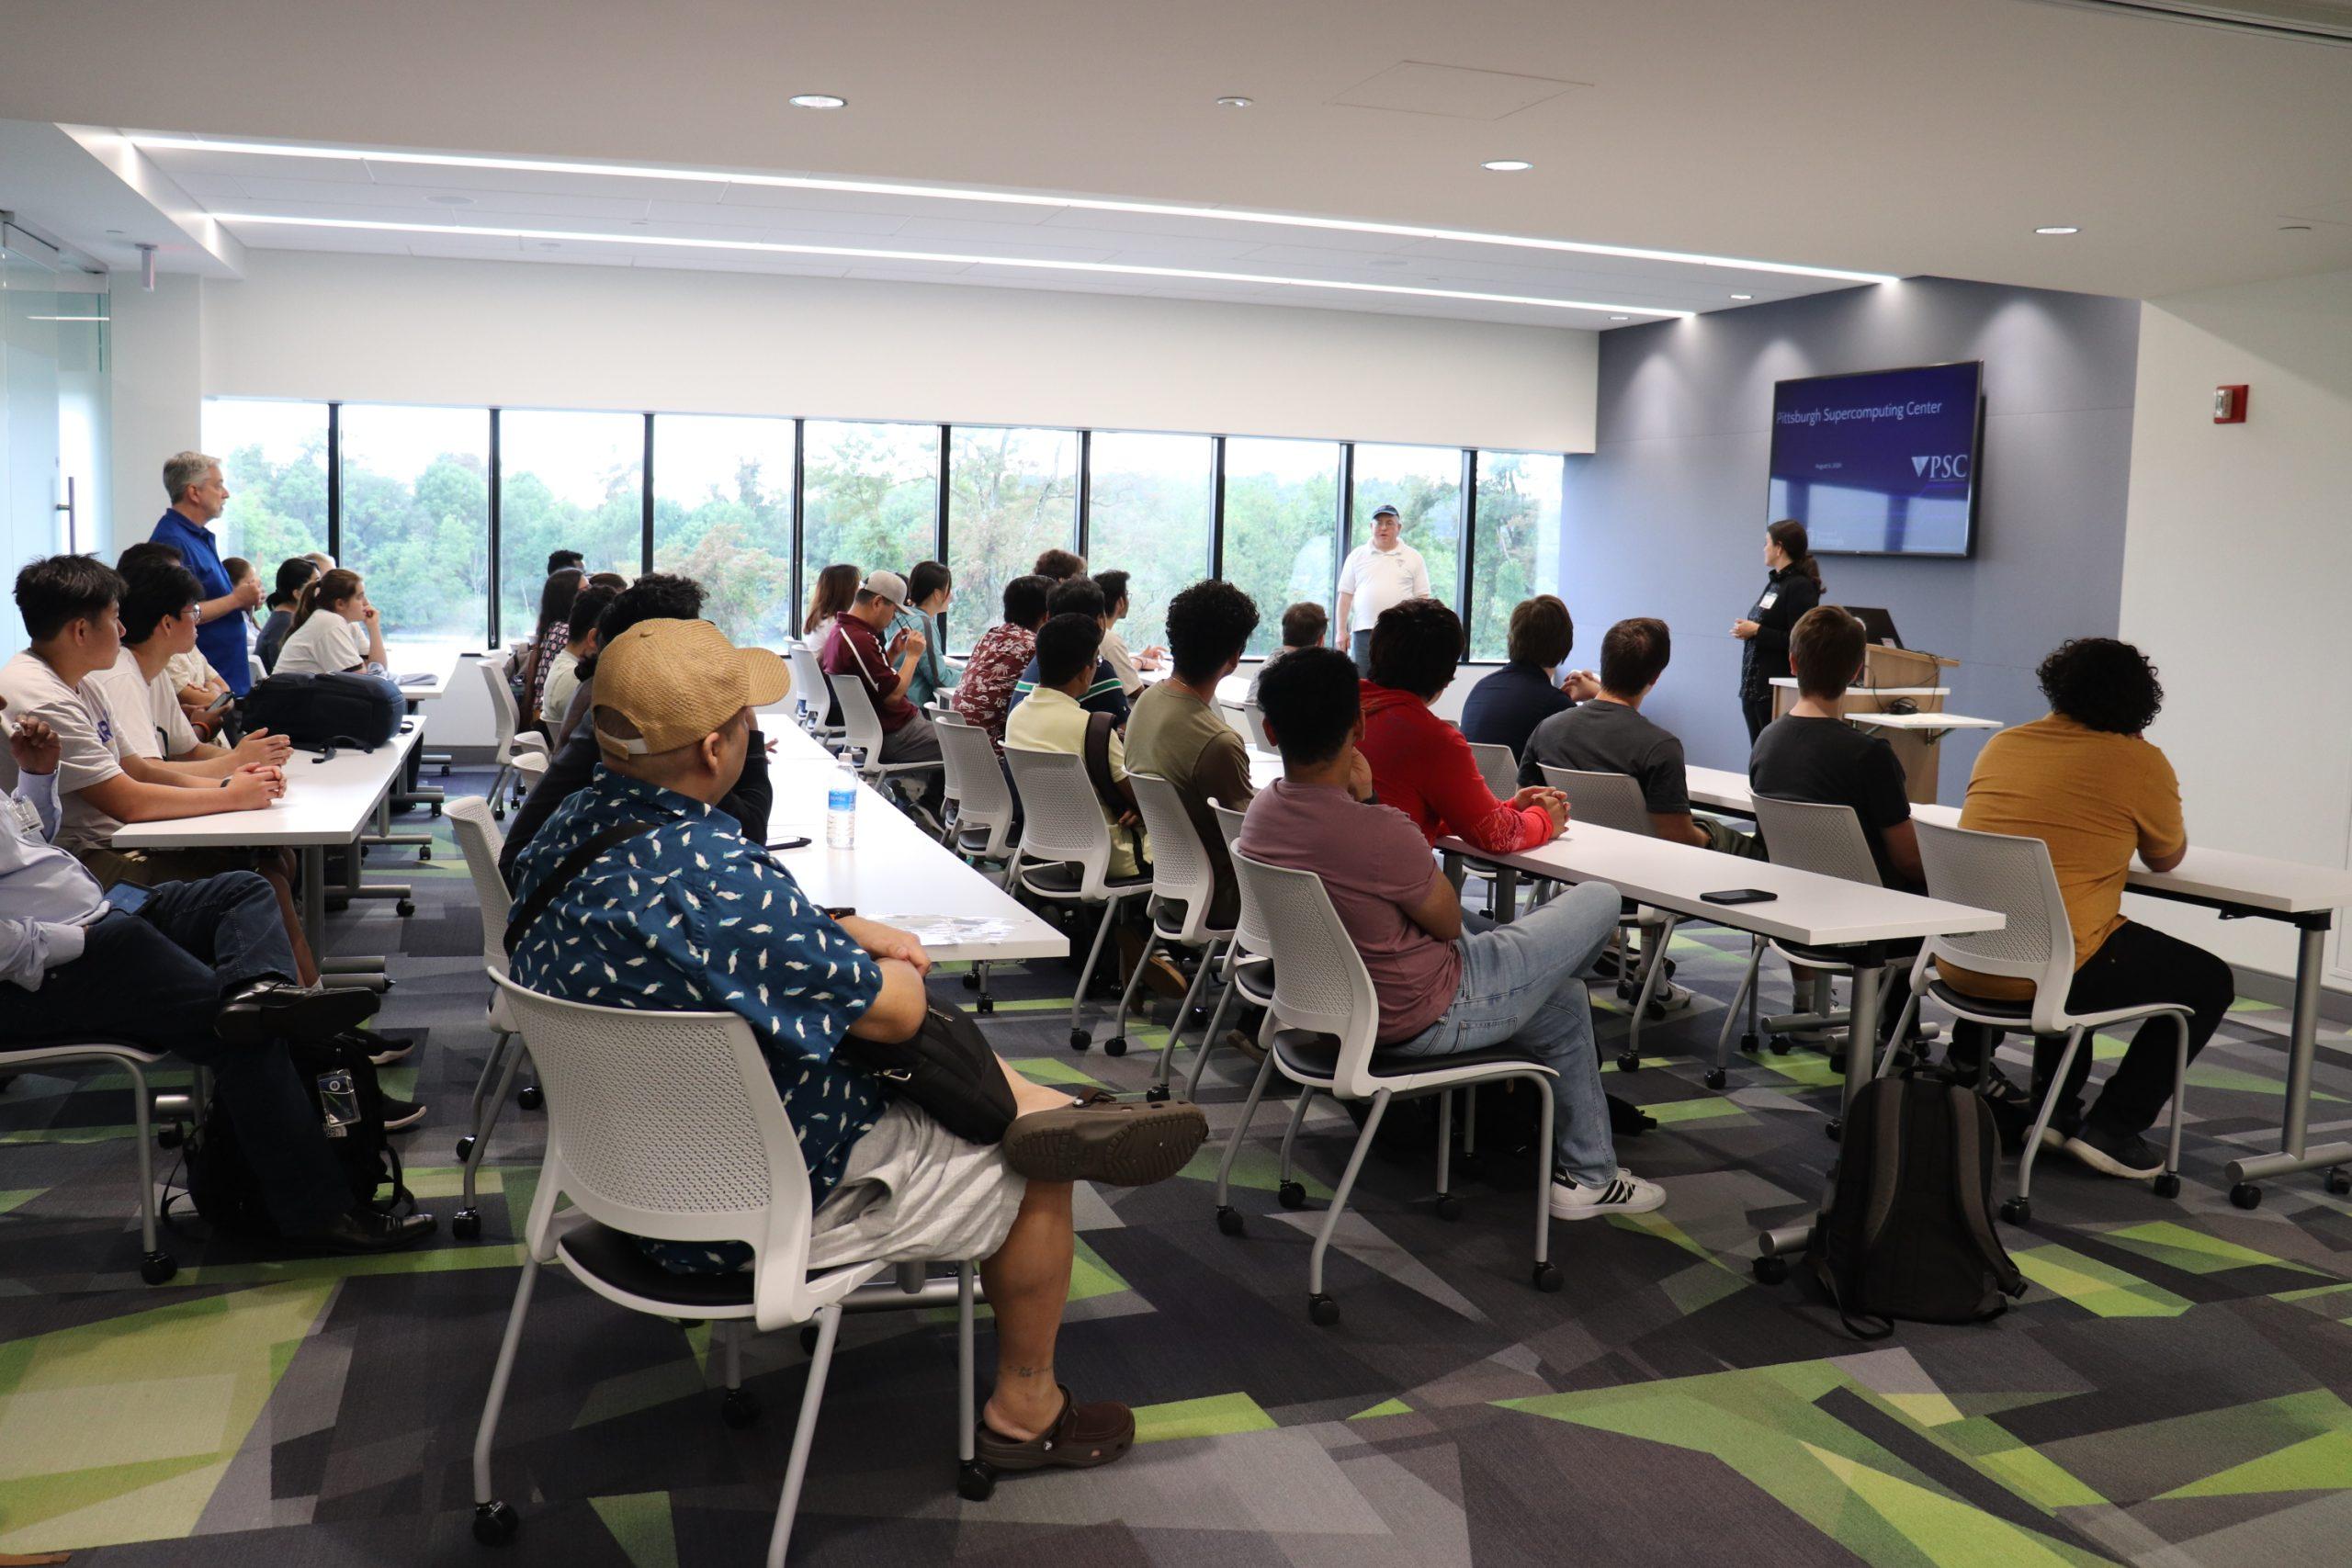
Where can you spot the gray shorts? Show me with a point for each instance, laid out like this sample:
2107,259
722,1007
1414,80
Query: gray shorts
914,1192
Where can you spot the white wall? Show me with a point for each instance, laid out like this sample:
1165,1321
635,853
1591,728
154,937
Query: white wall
158,395
534,335
2236,565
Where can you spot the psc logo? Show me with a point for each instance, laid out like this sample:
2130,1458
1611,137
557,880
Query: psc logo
1945,466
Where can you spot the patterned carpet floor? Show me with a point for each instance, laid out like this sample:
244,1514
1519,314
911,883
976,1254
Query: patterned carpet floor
2170,1392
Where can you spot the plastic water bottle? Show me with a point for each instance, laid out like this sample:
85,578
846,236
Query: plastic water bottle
841,806
338,1102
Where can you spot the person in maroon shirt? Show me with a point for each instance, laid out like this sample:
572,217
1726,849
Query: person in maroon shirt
998,658
854,647
1421,764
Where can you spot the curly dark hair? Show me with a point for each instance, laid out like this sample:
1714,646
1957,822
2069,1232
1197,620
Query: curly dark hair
2102,684
1208,623
1415,647
1311,702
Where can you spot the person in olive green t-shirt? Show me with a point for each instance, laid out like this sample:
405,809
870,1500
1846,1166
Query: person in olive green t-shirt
2084,782
1176,734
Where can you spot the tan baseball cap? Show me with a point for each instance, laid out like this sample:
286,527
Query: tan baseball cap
887,585
675,682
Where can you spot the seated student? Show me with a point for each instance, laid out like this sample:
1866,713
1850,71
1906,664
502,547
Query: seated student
929,587
612,580
336,630
1128,667
1303,625
1176,734
1811,753
294,574
854,647
1504,708
195,683
656,596
557,560
673,713
1609,734
1421,764
550,636
2086,781
200,969
563,674
1059,566
834,591
1442,990
1001,654
1068,647
1079,596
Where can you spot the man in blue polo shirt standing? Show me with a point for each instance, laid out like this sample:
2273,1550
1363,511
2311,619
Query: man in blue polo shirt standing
193,481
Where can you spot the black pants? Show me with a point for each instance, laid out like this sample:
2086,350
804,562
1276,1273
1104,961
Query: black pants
156,979
1757,711
2136,964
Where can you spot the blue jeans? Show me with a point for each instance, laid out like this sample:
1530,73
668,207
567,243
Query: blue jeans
1519,984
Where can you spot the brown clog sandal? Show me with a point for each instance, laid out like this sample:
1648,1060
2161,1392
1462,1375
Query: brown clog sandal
1083,1436
1120,1142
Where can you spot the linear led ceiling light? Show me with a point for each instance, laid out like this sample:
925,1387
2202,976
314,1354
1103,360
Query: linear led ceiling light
997,197
548,239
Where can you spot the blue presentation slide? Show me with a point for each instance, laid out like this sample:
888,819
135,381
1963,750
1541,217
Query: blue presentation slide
1882,463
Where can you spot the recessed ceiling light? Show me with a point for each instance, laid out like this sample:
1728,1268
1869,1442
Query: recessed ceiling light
1235,102
998,198
1506,165
1743,296
450,201
552,239
1621,318
817,101
2058,229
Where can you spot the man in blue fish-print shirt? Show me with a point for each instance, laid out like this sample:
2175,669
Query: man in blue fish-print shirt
687,915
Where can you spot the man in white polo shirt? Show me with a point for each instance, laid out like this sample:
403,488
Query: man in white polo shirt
1377,577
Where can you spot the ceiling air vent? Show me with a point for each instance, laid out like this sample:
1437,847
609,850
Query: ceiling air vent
2313,21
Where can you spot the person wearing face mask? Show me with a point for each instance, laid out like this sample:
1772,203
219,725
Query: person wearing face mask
1793,587
1377,577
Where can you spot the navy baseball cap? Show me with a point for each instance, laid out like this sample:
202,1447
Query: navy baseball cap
1384,510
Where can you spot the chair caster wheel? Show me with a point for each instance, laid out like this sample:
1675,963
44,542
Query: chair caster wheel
740,1409
1769,1271
529,1097
1781,1044
425,852
170,1137
2017,1211
1718,1078
1449,1207
1116,1047
1155,1095
1838,1061
975,1482
1230,1221
158,1266
985,1006
972,983
1291,1195
436,805
1629,1063
405,908
2339,1181
1835,1130
1748,1043
466,1224
1322,1310
495,1523
465,1149
1079,1040
1547,1278
2246,1195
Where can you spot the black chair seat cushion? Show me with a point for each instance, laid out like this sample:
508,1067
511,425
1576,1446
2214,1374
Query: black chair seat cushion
1065,876
1256,978
614,1258
1317,1056
1991,1006
972,840
1843,957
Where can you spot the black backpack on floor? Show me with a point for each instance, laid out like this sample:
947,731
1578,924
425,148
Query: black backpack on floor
1908,1231
222,1183
344,708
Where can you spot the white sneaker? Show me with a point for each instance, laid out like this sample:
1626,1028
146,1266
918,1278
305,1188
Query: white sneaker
1629,1194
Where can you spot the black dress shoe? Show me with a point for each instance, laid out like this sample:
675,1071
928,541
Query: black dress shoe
272,1010
400,1114
365,1230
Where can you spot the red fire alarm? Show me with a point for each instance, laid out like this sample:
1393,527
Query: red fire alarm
2229,405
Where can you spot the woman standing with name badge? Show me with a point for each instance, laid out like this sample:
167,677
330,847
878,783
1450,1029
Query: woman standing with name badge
1793,588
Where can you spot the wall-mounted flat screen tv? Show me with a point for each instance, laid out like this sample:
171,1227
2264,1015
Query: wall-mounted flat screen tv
1882,463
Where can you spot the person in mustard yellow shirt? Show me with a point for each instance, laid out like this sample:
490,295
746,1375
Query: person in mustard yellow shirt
2084,782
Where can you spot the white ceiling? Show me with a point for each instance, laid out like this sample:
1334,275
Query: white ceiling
1892,136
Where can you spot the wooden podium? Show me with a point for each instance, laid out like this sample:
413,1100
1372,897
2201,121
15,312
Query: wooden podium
1890,675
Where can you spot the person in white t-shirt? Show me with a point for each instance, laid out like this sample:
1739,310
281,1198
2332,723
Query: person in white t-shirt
1376,577
336,630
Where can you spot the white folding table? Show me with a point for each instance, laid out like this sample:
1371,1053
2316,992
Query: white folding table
2235,887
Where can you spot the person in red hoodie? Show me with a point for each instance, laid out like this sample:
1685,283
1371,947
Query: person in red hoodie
1421,764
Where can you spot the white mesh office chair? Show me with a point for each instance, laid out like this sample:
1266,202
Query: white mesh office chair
1249,971
156,1266
1498,766
809,682
2013,875
1183,885
862,733
668,1125
254,668
976,821
1614,800
1064,858
1253,726
1320,1035
513,741
481,843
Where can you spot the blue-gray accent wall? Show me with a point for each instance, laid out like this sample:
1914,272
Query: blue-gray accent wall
1665,517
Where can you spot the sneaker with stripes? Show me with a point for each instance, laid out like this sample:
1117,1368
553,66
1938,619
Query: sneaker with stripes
1625,1194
